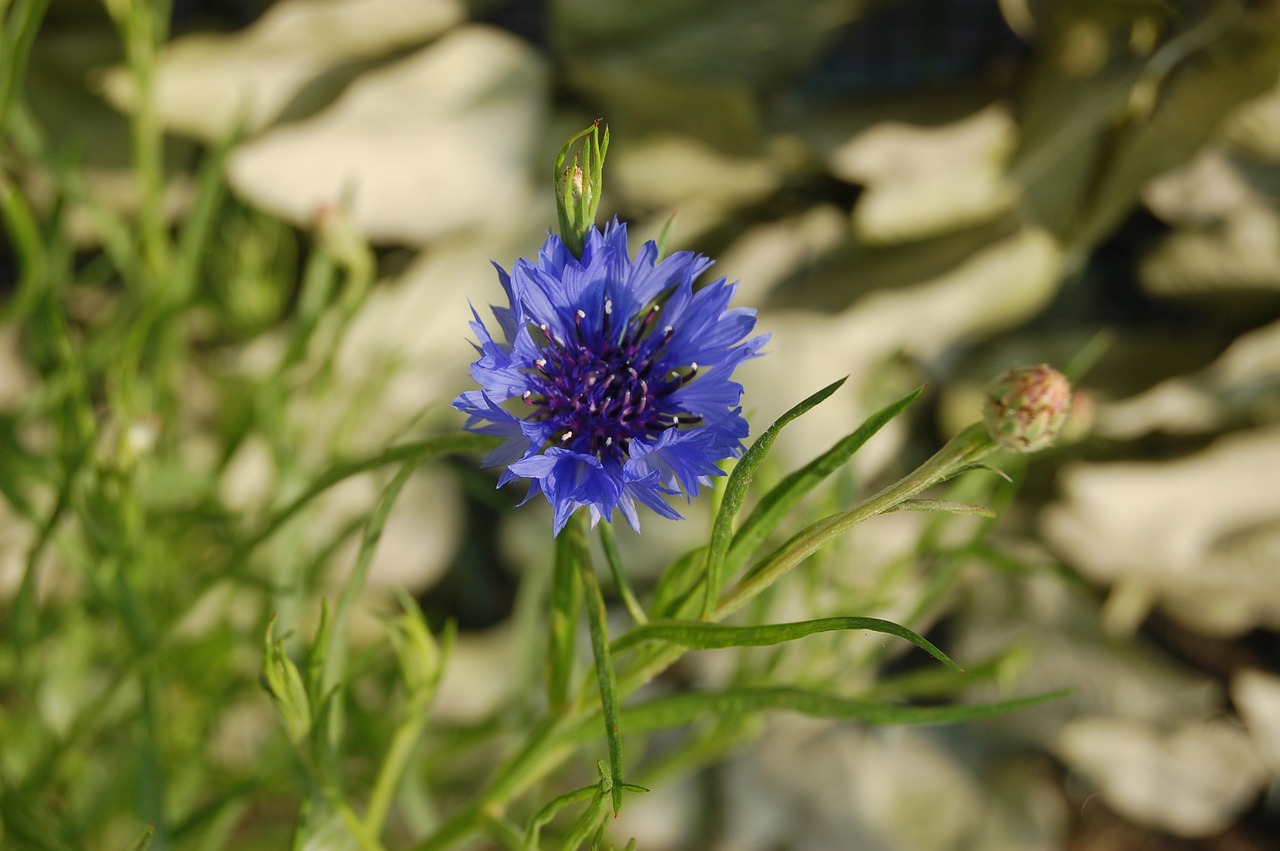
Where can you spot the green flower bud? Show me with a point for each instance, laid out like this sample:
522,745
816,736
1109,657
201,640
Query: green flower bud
1026,408
284,682
579,183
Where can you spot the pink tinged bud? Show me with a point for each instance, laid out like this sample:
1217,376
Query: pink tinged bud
1027,407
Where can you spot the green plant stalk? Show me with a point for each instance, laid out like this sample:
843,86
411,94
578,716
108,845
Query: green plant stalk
964,450
335,649
546,746
620,581
414,714
586,823
131,550
19,31
605,677
143,27
566,599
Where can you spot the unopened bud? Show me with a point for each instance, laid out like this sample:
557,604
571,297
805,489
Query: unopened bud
579,184
1026,408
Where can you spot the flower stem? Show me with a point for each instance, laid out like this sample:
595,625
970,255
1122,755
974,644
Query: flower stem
620,580
551,742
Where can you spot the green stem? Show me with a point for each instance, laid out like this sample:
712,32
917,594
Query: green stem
620,580
548,745
384,788
605,677
965,449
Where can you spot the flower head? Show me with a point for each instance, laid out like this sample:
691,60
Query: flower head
1026,407
612,383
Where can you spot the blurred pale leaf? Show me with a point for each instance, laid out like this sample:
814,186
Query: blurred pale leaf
857,788
1205,189
1255,126
635,99
922,181
995,288
754,43
439,141
670,170
1256,695
1226,231
692,67
405,353
1069,102
1241,251
478,677
1193,781
208,82
1172,531
992,288
767,254
1063,644
418,541
1241,383
1102,116
79,128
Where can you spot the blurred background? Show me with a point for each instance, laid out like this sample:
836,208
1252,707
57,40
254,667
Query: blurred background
910,191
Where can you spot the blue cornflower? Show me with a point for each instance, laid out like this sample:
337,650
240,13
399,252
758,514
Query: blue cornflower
612,385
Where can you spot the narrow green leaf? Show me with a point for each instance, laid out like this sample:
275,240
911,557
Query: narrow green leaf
735,492
678,581
944,505
144,841
786,494
965,449
586,823
566,598
664,238
18,34
503,832
198,223
605,675
316,656
698,635
680,709
533,834
620,580
28,245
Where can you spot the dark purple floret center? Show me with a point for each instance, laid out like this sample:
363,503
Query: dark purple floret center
601,391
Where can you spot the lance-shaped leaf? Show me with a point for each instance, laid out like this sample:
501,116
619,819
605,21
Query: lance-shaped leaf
679,709
778,502
736,490
698,635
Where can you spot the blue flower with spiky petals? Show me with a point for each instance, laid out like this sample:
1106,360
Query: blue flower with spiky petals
613,383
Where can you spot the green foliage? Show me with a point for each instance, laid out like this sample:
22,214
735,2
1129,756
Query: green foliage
157,613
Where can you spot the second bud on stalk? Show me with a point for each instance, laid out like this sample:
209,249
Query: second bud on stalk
1026,408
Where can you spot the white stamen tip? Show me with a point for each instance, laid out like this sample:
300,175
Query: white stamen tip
670,329
608,441
582,314
608,306
568,435
540,362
